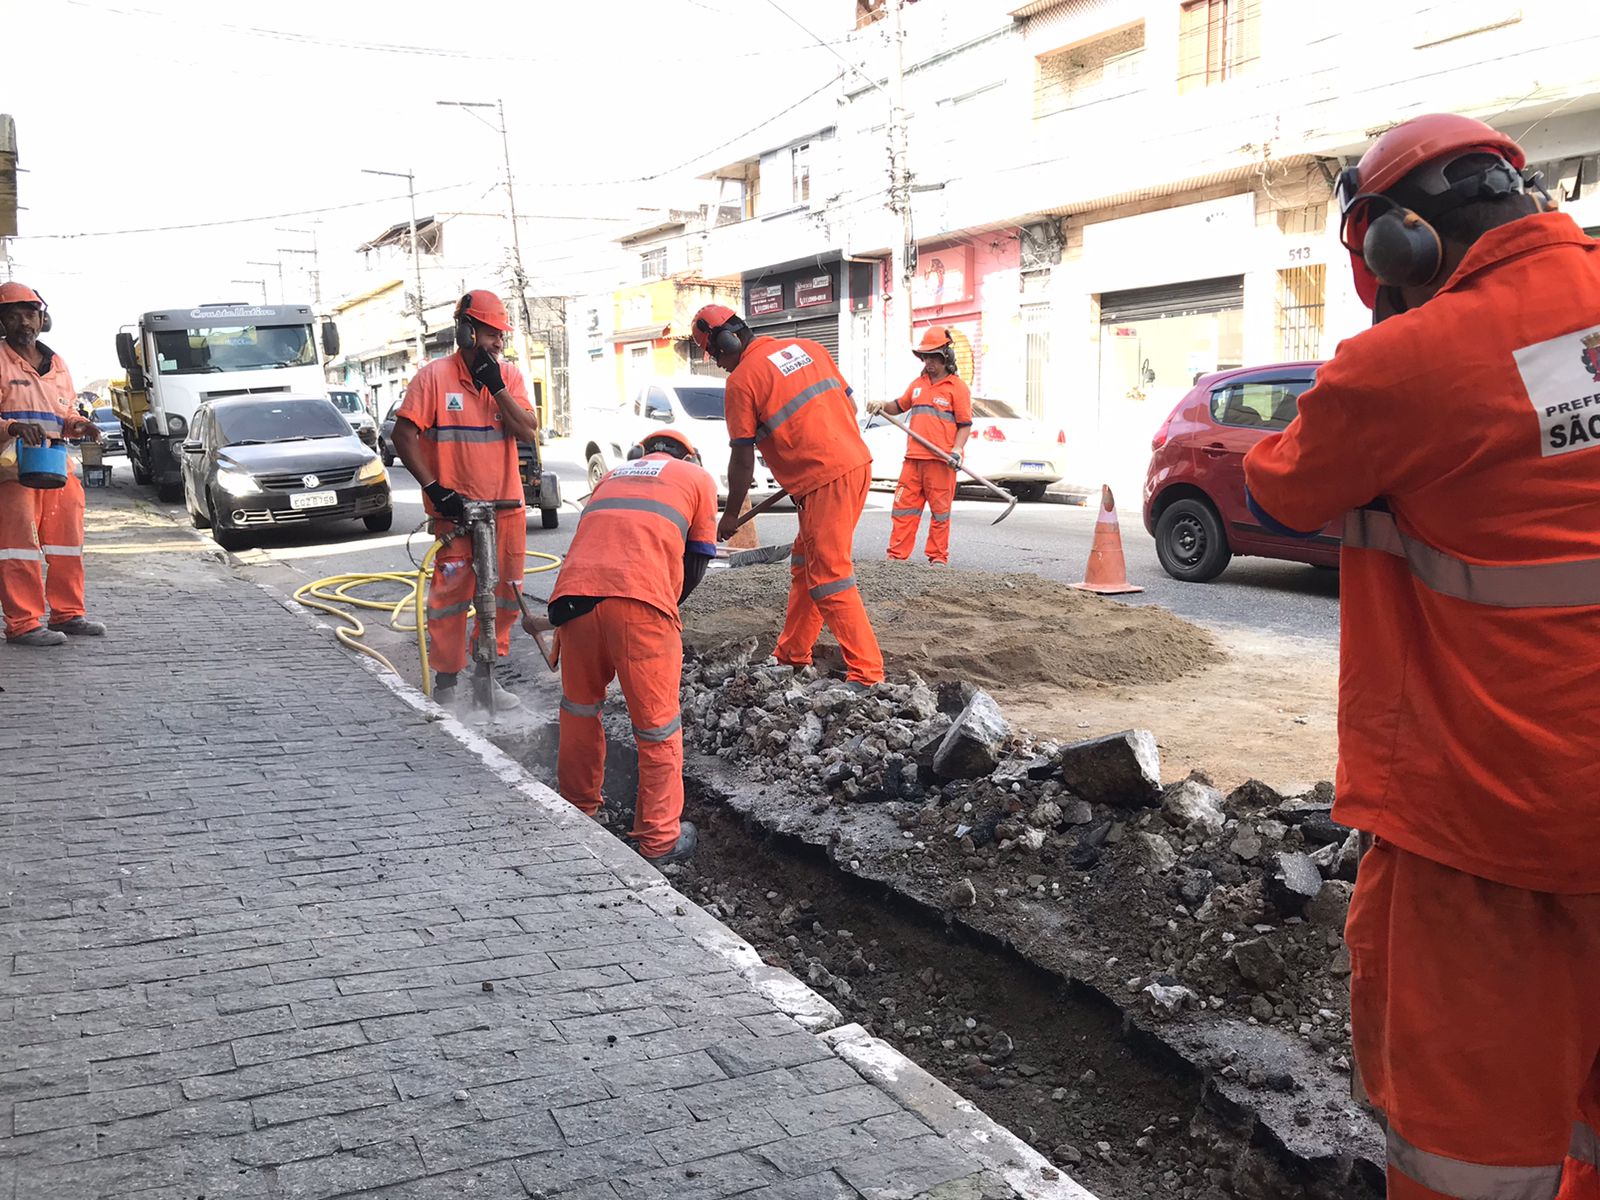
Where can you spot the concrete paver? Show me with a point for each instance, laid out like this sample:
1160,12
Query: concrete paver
269,930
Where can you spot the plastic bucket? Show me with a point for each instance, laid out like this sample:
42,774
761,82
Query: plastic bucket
42,467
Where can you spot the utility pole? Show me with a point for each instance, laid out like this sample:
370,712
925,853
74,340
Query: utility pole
279,266
316,262
416,260
260,283
904,257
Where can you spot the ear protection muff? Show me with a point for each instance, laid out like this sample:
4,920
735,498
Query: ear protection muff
466,330
45,323
1402,249
724,339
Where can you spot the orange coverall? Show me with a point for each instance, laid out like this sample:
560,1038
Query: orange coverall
937,411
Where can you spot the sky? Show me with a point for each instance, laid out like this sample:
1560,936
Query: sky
233,122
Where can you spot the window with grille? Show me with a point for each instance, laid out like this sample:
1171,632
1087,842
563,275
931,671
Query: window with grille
1036,351
1311,218
653,264
1216,40
1301,291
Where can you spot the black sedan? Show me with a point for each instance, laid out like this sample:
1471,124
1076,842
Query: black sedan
110,430
272,461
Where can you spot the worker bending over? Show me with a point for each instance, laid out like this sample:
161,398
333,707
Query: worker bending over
41,530
939,405
786,396
643,543
457,431
1461,435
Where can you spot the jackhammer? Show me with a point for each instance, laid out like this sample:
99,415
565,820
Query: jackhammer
478,523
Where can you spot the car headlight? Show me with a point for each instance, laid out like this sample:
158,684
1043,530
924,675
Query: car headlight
236,482
177,426
372,472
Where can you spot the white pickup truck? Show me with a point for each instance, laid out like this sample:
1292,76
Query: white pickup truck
690,403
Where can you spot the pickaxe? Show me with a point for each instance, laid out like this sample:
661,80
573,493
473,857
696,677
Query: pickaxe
1011,501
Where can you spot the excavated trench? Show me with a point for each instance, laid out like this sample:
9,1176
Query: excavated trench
1122,1108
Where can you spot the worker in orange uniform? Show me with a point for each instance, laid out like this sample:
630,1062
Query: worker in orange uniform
786,396
643,544
939,405
457,431
1461,436
41,531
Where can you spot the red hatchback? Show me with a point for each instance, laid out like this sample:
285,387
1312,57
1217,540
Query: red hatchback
1194,493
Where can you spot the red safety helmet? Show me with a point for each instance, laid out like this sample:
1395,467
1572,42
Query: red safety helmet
485,308
19,293
935,340
1435,139
671,435
708,319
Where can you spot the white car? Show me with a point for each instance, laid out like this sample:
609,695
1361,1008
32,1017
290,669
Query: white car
689,403
361,422
1005,447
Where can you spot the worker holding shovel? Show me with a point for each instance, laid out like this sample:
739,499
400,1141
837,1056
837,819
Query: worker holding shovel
938,404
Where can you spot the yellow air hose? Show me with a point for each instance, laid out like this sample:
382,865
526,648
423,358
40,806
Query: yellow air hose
325,594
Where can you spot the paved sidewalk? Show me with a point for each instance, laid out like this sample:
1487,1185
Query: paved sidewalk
269,930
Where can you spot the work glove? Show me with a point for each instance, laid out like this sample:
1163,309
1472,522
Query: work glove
955,458
447,502
486,373
876,407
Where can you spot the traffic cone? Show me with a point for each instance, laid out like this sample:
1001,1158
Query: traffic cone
1108,571
744,537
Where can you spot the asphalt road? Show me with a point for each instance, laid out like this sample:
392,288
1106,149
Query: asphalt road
1049,539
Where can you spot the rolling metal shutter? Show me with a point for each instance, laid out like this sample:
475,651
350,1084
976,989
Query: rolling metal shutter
1173,300
824,330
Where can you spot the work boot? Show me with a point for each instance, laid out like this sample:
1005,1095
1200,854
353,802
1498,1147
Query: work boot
856,688
79,627
688,839
444,689
38,636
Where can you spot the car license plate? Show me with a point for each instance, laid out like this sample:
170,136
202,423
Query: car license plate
1033,466
314,500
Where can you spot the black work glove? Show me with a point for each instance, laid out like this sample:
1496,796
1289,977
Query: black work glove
447,502
486,373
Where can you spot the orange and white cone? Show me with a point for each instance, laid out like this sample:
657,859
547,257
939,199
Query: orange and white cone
1108,570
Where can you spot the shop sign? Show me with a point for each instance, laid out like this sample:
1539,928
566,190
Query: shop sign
818,289
766,298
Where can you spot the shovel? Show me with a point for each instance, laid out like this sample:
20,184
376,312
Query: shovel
1011,501
756,557
538,627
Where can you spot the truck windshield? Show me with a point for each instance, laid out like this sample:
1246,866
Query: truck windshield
280,421
701,403
234,348
346,402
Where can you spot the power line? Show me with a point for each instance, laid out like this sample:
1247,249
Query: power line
828,46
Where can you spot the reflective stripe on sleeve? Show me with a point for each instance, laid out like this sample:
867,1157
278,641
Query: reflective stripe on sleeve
1532,585
1471,1181
766,428
579,710
932,412
464,433
64,551
823,590
20,556
449,610
1585,1145
661,732
632,504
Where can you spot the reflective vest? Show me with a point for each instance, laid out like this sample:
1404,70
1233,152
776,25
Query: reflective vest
1463,438
635,529
464,443
787,398
935,411
47,400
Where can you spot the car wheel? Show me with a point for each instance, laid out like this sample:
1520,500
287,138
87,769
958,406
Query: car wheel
169,493
379,522
387,455
1031,492
597,470
140,475
549,518
196,518
1190,541
228,539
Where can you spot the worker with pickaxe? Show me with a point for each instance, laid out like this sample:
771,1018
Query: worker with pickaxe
786,396
938,405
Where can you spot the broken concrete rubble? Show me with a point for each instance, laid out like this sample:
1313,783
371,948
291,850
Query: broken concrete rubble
1293,882
971,746
1122,769
1192,804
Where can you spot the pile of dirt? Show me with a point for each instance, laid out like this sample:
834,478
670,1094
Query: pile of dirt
993,629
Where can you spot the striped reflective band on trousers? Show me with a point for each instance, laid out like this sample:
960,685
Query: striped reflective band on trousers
765,429
464,433
579,710
65,551
20,556
828,589
1478,1181
905,512
932,412
797,560
633,504
937,516
661,732
449,610
1533,585
1585,1145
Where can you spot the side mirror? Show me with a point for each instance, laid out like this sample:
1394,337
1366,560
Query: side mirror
664,415
193,446
125,355
330,339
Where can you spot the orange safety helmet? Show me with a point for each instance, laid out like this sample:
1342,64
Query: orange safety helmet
485,308
671,435
19,293
1436,138
936,340
707,321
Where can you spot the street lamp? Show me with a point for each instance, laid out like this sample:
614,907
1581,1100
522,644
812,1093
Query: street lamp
260,283
416,259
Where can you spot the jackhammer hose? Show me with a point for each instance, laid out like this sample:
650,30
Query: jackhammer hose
325,594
